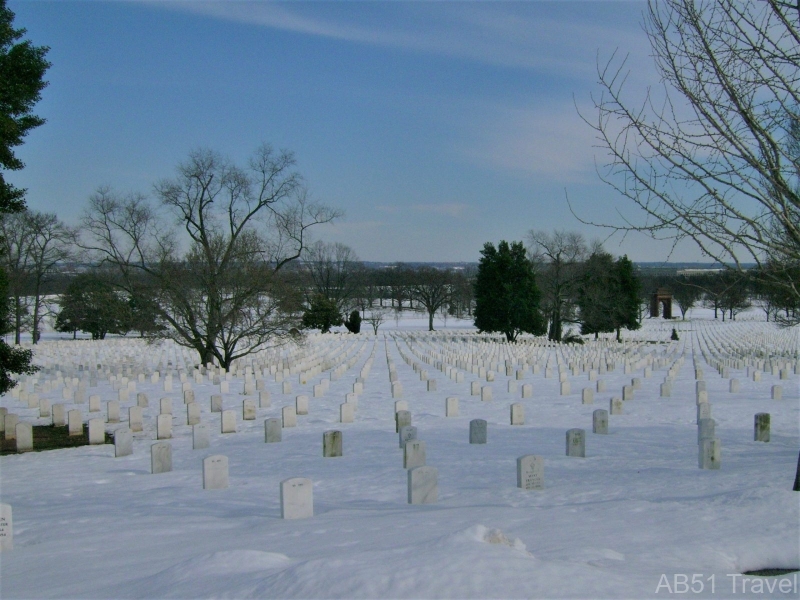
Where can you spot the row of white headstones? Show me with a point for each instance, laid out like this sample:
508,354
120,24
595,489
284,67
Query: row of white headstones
296,493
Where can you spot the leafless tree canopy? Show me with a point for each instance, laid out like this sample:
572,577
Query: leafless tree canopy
334,270
211,250
558,259
35,246
714,154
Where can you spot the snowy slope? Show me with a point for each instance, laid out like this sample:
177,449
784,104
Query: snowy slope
88,525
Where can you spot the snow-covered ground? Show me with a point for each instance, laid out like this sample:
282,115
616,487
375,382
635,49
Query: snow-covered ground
636,518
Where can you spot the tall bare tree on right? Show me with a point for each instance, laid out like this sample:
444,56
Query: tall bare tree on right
713,155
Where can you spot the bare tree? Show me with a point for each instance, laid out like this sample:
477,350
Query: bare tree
375,317
713,155
35,245
558,258
432,289
219,292
334,270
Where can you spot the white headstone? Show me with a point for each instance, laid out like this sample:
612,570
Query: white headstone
74,423
24,433
249,410
451,407
530,472
215,472
192,413
710,451
164,427
228,421
6,528
615,406
423,485
201,436
160,458
123,442
414,454
346,413
59,415
301,405
97,431
297,498
272,431
289,416
486,393
587,396
112,411
517,414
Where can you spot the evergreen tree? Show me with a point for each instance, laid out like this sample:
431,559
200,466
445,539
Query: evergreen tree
628,286
22,68
506,295
353,323
91,304
597,295
322,314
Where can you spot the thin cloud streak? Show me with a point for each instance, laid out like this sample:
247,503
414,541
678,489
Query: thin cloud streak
492,34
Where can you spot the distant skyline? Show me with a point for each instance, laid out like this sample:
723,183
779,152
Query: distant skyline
435,126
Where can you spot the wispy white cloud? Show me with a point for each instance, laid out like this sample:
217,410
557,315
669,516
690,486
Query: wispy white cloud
550,142
451,209
522,35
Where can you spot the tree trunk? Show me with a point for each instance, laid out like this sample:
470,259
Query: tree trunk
17,320
430,320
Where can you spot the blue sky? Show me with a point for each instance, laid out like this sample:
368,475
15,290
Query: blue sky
436,126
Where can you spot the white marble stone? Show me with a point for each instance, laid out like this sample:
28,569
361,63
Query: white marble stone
587,396
24,437
164,427
228,421
74,422
530,472
527,390
413,454
216,403
486,393
249,410
451,407
406,433
297,498
201,436
123,442
272,431
346,413
97,431
301,405
112,411
160,458
264,399
215,472
517,414
59,415
423,485
6,528
615,406
710,454
289,416
402,418
777,392
192,413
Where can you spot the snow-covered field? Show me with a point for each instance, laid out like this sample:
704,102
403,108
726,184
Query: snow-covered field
635,518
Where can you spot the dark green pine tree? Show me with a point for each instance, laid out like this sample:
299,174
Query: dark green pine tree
22,68
506,295
92,305
12,360
322,314
597,295
628,287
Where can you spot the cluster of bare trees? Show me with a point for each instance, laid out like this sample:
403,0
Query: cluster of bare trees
35,248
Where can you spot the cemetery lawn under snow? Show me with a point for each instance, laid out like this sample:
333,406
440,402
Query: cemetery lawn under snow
635,518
